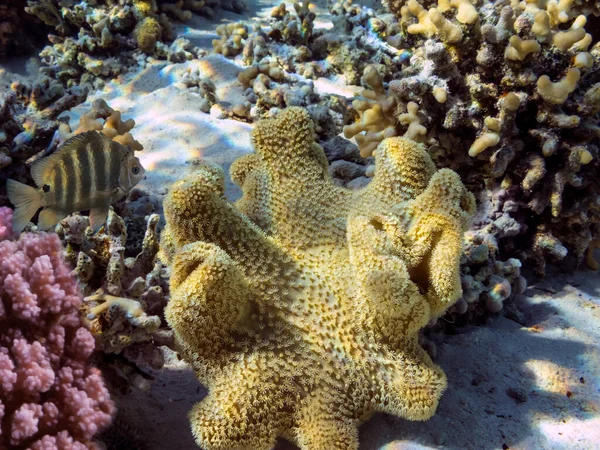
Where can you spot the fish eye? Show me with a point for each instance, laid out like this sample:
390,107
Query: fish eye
135,170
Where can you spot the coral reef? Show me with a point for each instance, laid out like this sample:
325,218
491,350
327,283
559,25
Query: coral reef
293,29
179,51
201,86
103,268
50,396
28,122
359,39
98,40
299,306
377,114
106,120
125,295
268,90
507,96
231,36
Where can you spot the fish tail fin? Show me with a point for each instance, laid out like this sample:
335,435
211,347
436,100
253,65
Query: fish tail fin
27,201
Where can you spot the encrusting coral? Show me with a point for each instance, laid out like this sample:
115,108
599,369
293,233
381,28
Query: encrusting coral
299,306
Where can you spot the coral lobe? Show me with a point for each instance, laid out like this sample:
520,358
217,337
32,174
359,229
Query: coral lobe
300,308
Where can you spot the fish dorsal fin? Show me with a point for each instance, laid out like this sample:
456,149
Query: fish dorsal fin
40,169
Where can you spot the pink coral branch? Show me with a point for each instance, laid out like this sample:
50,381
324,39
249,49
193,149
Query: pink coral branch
50,396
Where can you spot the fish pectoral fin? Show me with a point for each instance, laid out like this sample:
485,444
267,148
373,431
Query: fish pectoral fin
27,201
98,217
40,170
107,196
49,217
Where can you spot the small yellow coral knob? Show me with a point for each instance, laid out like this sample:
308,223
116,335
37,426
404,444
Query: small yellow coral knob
518,49
557,93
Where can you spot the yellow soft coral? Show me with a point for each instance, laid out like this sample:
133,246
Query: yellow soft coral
299,306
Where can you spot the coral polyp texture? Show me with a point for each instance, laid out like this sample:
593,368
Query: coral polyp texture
51,397
299,306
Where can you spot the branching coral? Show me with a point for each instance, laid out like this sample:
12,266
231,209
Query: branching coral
95,40
231,39
432,22
295,30
106,120
518,93
125,295
299,306
377,110
50,396
269,89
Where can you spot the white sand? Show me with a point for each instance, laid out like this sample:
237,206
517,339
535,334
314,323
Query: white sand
173,131
169,124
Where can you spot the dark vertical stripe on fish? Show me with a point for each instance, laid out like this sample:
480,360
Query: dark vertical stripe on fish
115,166
71,183
77,181
93,172
100,169
58,182
83,174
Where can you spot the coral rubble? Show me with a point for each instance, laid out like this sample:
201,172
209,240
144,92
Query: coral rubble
299,306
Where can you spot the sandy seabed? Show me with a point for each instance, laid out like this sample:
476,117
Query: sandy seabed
509,386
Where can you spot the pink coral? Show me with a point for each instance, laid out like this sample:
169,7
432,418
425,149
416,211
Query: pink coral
5,223
50,396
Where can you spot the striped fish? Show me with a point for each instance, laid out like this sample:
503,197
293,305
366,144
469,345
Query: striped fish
88,172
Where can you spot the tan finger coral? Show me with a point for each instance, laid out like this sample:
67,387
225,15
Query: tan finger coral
488,138
518,49
106,120
467,13
299,306
415,130
376,108
557,93
447,31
